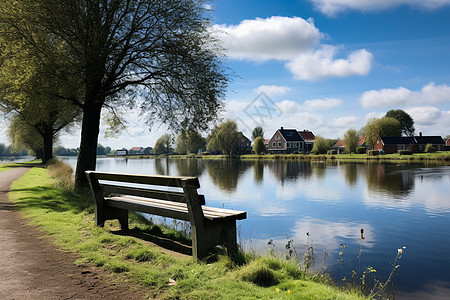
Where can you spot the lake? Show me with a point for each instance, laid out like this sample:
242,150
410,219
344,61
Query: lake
11,159
396,205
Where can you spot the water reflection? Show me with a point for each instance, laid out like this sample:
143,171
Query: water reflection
290,171
351,174
258,172
226,173
395,180
190,167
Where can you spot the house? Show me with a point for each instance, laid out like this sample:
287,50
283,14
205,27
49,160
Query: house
412,143
136,150
447,143
244,145
121,152
340,147
309,138
266,142
286,141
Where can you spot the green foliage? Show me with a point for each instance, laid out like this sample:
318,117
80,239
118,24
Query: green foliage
24,136
189,141
163,144
373,153
257,132
331,152
260,275
406,121
429,148
384,127
405,152
224,137
351,140
322,145
258,146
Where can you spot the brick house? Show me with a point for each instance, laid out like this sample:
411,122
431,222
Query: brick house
309,138
286,141
412,143
244,144
340,147
136,150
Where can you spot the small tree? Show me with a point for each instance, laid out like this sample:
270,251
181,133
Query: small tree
258,146
321,145
189,141
258,131
384,127
429,148
351,141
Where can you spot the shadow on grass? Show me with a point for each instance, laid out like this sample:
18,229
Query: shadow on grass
158,238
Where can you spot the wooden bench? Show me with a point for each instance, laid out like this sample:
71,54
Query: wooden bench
167,196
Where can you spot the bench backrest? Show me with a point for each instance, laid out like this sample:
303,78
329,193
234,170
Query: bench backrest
111,183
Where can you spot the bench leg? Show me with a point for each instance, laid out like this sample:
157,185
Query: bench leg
215,233
110,213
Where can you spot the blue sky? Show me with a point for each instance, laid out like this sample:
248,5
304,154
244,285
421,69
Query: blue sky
326,66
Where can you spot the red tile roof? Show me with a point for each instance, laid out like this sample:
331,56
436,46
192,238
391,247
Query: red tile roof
307,135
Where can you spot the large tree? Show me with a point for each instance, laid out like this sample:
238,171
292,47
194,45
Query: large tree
160,50
351,140
406,121
257,131
24,136
224,137
189,141
384,127
163,144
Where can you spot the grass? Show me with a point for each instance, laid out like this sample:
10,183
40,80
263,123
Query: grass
68,219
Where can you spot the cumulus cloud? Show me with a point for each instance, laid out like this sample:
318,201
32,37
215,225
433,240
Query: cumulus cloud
272,38
425,115
294,41
319,64
430,93
347,122
332,7
273,90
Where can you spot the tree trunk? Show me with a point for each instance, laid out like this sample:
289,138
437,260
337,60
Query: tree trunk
48,145
88,145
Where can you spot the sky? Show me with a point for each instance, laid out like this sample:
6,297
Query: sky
325,66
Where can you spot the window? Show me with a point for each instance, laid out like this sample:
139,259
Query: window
279,144
274,144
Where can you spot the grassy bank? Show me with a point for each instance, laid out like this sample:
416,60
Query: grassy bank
68,218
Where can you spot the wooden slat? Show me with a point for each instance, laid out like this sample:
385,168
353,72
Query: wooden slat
148,205
173,181
149,193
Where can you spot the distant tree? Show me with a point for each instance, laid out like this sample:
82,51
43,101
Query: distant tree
224,137
258,131
2,149
107,150
163,144
258,146
23,136
100,149
384,127
189,141
447,137
406,121
321,145
429,148
351,140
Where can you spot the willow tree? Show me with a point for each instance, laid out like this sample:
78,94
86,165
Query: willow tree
158,55
351,140
384,127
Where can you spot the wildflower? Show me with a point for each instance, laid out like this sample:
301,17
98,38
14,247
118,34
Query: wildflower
400,251
277,290
288,292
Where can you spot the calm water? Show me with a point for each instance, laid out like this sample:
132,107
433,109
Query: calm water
7,160
396,205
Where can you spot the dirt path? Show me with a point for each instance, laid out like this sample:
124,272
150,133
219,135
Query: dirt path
31,267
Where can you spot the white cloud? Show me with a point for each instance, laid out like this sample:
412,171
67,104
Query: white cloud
272,38
426,115
321,104
430,93
347,122
273,90
294,41
332,7
320,64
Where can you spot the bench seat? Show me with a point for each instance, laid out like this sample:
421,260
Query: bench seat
170,209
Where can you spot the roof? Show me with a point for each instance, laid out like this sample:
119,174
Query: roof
290,134
435,140
307,135
340,143
361,141
396,140
136,148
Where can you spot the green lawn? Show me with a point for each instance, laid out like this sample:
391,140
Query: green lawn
68,218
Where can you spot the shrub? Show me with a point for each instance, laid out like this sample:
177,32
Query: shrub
405,152
61,172
259,275
361,150
331,152
430,148
373,152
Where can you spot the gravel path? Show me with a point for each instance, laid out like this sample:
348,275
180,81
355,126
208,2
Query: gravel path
31,267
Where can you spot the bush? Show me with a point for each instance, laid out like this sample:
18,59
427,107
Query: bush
373,152
430,148
61,173
331,152
259,275
361,150
405,152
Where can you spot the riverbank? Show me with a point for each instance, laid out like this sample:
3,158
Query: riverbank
441,157
68,218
